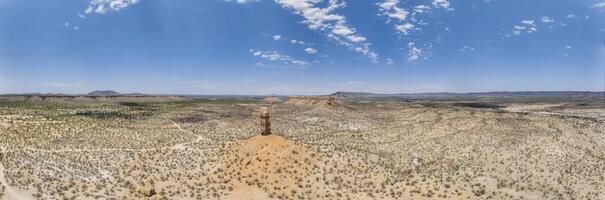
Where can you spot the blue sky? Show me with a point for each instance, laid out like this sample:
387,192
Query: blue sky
301,46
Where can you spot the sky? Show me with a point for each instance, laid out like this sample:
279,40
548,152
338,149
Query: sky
301,47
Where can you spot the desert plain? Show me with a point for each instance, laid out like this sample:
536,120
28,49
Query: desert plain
320,148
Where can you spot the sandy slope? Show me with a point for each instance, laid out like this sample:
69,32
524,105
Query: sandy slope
265,162
9,192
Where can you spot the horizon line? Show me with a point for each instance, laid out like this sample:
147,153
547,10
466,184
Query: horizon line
401,93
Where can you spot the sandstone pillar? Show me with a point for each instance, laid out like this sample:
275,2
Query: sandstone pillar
265,123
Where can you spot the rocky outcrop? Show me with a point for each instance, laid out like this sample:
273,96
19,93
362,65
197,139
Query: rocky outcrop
265,123
272,99
147,191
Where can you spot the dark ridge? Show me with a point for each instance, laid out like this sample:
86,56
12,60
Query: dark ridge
103,93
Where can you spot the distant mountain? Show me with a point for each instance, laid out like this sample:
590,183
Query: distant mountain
103,93
353,95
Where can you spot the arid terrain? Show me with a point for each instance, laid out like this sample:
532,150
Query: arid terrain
321,148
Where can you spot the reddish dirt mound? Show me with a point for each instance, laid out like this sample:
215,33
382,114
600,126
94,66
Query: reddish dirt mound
264,164
312,101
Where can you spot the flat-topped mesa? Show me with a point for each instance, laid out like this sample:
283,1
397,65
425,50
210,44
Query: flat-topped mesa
265,123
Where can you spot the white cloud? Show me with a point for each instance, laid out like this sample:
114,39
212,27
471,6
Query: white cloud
409,22
404,28
298,42
598,5
421,9
299,62
104,6
311,50
340,29
528,22
277,37
333,24
366,51
66,24
278,57
390,9
466,48
241,1
76,27
445,4
414,52
390,61
547,19
525,27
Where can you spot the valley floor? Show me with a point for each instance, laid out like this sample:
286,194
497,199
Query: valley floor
204,149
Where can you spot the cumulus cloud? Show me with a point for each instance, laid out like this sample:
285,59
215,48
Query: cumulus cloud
311,50
598,5
334,25
276,56
547,19
466,48
389,61
525,27
104,6
241,1
277,37
407,21
414,52
298,42
390,9
421,9
404,28
529,23
445,4
393,12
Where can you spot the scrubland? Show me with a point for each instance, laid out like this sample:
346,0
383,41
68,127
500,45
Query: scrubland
372,149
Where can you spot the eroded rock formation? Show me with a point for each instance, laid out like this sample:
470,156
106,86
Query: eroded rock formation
265,123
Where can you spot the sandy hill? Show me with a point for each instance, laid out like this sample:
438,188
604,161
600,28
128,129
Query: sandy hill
272,99
312,101
262,165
